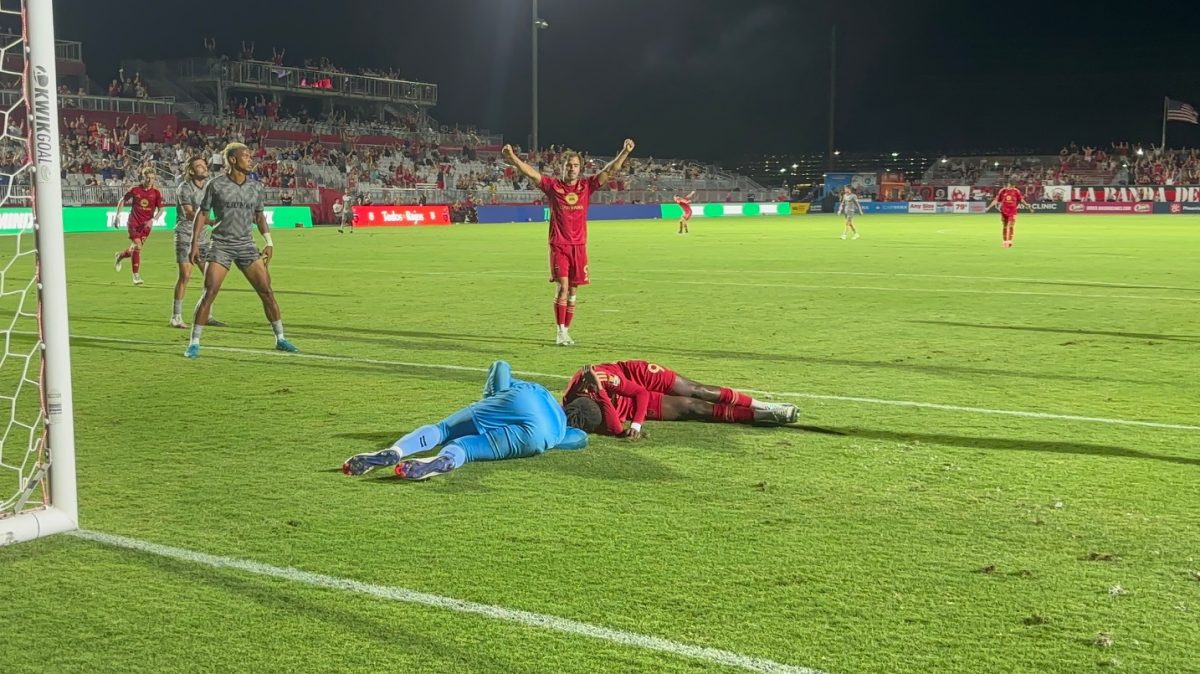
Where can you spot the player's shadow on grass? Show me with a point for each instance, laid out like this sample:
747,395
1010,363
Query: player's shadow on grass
398,346
607,461
1005,444
407,641
454,336
1069,331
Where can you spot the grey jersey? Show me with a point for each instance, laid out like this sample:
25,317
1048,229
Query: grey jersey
850,204
234,209
187,194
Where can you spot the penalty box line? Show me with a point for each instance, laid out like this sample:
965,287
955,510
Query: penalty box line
778,394
403,595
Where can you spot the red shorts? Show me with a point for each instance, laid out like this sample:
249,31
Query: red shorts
1008,218
571,261
687,214
654,377
653,410
139,231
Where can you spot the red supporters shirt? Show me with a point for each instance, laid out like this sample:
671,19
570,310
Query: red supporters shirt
568,208
143,202
1009,199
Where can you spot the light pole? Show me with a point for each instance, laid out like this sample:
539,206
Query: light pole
538,24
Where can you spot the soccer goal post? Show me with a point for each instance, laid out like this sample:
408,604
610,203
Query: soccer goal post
37,449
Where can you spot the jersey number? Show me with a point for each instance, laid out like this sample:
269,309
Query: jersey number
654,368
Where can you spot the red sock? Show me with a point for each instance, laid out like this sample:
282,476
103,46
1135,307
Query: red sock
125,254
1009,236
732,414
729,396
560,313
137,261
569,315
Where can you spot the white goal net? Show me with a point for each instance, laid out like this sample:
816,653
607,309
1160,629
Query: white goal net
37,461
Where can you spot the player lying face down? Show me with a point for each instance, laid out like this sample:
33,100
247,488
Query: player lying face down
515,419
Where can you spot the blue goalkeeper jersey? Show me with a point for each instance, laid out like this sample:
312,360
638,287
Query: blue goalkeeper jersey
528,416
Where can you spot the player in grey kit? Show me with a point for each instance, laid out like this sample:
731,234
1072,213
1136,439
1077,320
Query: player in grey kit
189,194
237,203
848,206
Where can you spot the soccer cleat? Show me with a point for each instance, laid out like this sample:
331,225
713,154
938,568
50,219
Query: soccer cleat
777,416
193,351
855,237
361,464
177,322
137,280
284,345
843,237
117,262
562,339
214,323
423,469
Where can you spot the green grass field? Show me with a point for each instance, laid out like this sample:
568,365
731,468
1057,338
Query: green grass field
877,537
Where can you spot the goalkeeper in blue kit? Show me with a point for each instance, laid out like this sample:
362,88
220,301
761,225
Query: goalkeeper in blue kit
515,419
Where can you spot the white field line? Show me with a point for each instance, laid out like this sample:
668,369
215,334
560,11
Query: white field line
400,594
777,394
672,281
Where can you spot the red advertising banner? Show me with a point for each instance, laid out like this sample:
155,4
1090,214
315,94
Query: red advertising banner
400,216
1110,207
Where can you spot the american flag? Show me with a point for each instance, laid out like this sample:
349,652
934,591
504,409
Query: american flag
1178,111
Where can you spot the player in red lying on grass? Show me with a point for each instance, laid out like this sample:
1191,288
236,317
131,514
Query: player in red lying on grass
601,398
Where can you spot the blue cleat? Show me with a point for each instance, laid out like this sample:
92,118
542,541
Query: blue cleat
422,469
284,345
361,464
193,351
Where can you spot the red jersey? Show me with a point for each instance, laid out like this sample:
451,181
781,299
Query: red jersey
143,202
1009,199
568,208
686,204
622,398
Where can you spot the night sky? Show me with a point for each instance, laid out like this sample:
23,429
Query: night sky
724,79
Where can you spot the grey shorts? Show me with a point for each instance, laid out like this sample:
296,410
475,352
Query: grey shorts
183,248
227,255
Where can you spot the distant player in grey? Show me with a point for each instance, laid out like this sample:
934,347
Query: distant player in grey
188,196
237,204
848,206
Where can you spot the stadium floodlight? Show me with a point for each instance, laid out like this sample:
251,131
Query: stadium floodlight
38,445
538,25
995,164
795,166
895,154
944,160
837,153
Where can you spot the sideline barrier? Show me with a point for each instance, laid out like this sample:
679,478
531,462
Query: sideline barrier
597,212
97,218
1110,207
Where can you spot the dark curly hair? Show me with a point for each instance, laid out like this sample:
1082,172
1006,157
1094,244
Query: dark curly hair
584,413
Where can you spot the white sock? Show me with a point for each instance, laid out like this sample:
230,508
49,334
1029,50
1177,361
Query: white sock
197,330
277,326
177,309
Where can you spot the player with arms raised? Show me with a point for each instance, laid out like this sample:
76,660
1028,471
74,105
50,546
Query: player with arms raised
686,204
569,199
601,398
848,206
189,194
237,203
145,206
1010,200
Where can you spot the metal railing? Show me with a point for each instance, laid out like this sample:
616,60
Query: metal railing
484,196
266,76
135,106
92,195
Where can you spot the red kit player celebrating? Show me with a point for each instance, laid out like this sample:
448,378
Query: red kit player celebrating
569,199
145,205
601,398
686,204
1010,199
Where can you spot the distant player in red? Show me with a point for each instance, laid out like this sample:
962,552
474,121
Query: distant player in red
145,205
601,398
568,199
686,204
1010,199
